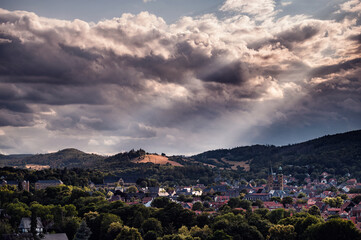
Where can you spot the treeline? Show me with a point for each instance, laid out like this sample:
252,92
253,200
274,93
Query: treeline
83,214
337,154
166,175
74,176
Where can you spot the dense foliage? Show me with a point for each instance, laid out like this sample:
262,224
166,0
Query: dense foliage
84,214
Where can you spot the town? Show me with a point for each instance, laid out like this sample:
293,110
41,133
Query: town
323,197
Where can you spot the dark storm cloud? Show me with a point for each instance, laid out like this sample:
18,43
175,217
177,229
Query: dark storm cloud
77,51
136,80
290,38
233,73
16,119
296,35
356,38
335,68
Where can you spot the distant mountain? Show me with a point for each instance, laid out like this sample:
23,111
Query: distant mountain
64,158
339,154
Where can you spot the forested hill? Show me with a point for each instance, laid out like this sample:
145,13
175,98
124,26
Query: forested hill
64,158
339,154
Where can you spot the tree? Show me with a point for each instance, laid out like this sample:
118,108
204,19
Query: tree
128,233
262,225
71,225
151,235
258,203
314,210
197,206
276,199
334,229
132,189
106,220
301,221
287,200
301,195
83,232
282,232
114,229
44,213
202,233
276,215
160,202
221,235
93,220
234,202
152,224
17,211
333,202
5,228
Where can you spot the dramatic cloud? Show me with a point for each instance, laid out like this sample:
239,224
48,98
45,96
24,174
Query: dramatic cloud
200,83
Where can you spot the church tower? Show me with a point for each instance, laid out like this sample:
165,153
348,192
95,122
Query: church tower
270,179
279,179
275,182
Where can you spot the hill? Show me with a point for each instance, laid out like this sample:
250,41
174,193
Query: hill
64,158
338,154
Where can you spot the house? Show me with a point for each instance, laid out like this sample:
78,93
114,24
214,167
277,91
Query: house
325,194
113,182
197,191
272,205
187,205
25,225
186,191
333,211
43,184
352,181
356,212
332,181
324,174
347,206
213,189
25,184
258,196
221,199
55,236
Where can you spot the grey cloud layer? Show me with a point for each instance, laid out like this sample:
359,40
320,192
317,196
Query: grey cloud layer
136,81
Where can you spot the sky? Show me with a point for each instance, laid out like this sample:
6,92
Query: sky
176,76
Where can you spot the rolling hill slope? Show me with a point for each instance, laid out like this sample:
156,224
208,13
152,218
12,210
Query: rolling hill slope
339,153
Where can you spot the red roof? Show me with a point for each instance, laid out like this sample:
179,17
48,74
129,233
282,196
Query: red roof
240,209
272,205
333,209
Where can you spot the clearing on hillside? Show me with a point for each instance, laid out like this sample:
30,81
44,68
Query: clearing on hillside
244,164
156,159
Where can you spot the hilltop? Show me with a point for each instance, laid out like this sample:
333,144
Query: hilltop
69,158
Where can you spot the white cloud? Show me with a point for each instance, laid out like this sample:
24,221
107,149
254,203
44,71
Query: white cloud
260,9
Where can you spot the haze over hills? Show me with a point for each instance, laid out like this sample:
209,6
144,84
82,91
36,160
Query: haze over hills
69,158
339,154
